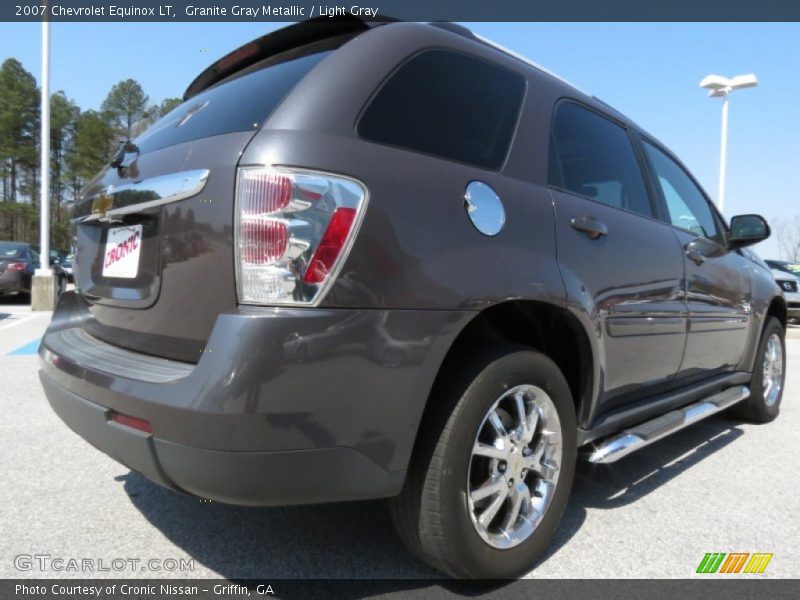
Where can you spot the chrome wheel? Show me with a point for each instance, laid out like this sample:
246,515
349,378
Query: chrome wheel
772,379
514,467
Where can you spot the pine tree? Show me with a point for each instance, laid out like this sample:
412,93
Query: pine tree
126,105
19,116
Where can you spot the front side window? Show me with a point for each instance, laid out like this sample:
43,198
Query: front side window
449,105
592,156
687,207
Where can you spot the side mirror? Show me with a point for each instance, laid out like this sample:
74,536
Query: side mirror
747,230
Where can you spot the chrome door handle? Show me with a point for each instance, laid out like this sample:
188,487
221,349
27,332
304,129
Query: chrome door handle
589,225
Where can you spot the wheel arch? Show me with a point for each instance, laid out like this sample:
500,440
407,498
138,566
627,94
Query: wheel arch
547,328
777,308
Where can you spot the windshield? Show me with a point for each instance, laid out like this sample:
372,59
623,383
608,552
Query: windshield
792,268
787,267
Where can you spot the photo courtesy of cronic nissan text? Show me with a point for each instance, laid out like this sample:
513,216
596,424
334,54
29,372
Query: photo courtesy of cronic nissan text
399,299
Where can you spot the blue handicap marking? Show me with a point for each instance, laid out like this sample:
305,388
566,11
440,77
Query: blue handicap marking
27,349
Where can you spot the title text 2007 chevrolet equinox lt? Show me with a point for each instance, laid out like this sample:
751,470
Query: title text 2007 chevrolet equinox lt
372,260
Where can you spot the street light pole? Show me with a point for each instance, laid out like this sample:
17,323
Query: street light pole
721,87
43,288
723,155
44,223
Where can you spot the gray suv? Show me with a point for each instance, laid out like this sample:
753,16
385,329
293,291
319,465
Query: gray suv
368,260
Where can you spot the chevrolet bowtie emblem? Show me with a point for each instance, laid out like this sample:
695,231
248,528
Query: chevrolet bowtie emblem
102,204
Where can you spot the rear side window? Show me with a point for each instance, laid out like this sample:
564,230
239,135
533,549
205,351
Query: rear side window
592,156
449,105
242,103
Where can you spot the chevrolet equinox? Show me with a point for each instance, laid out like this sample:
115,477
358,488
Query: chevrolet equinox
395,260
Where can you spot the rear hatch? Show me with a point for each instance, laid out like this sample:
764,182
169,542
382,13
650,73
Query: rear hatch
154,231
10,252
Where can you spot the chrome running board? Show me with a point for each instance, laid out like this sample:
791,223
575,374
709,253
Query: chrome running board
644,434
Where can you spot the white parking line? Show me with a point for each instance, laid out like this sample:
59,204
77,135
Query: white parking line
14,322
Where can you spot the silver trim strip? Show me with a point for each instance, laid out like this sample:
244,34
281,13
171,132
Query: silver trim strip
631,440
163,188
698,324
635,326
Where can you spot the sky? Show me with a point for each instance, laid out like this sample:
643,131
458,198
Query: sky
648,71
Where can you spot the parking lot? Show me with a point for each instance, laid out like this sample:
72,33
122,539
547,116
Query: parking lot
720,486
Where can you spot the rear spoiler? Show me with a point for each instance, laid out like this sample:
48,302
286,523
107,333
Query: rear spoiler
281,40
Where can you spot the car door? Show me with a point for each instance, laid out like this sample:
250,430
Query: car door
622,267
717,280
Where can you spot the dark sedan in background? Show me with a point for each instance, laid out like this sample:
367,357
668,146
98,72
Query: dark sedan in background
18,261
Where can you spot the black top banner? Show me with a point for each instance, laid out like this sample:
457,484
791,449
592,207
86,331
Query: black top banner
407,10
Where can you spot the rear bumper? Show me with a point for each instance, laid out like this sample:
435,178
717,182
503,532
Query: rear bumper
285,406
12,282
248,478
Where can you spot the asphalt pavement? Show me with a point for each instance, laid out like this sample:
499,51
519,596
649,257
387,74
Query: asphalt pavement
719,486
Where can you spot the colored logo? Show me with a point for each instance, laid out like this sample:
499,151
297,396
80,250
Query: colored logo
102,203
734,562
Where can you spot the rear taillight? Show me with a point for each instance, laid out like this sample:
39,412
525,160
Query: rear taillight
293,231
15,266
329,249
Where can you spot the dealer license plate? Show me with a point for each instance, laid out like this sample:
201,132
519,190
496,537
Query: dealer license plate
123,246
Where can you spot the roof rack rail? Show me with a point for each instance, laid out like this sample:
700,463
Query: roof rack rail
468,33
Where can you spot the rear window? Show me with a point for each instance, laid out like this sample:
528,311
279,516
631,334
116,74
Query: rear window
241,103
449,105
11,250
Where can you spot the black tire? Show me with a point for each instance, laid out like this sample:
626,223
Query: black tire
431,514
756,408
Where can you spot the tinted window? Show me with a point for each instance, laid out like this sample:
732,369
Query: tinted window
239,104
11,250
593,156
686,204
448,105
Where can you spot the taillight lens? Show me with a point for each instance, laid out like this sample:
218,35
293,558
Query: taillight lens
132,422
293,230
329,249
15,266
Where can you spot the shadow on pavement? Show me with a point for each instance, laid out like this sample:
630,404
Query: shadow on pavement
633,477
14,300
356,540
